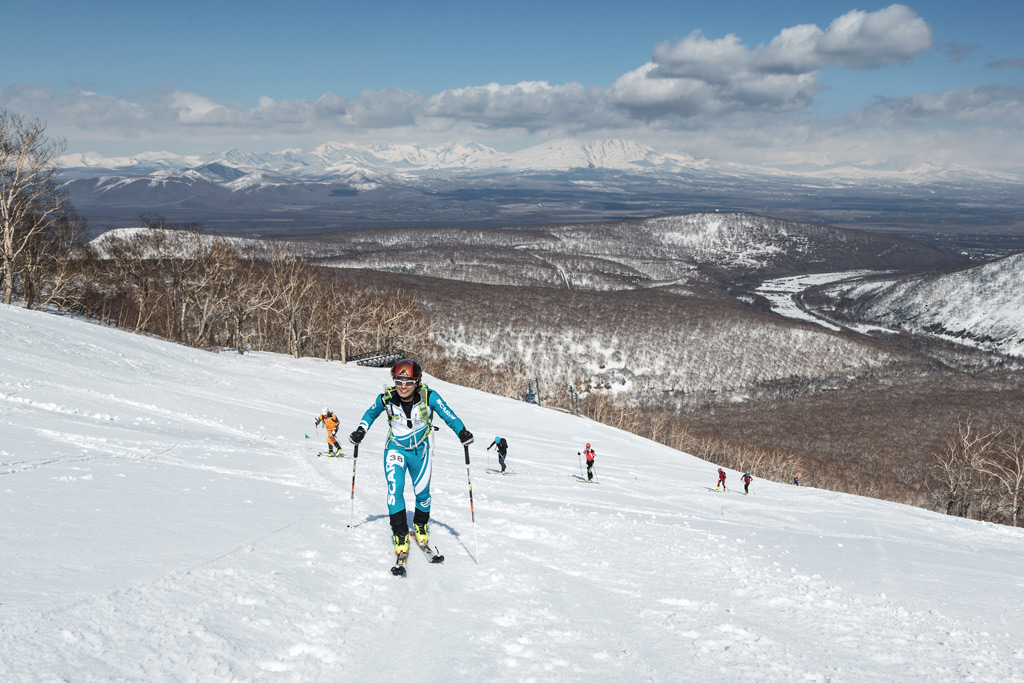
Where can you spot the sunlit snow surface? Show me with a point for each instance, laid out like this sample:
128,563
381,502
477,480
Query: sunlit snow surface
163,517
780,293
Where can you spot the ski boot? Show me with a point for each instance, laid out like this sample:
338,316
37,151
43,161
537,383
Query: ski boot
401,553
422,535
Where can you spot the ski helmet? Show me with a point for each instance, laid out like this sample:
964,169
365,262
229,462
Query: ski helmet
324,411
407,368
747,472
588,445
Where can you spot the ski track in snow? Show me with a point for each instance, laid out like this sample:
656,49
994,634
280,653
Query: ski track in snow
165,518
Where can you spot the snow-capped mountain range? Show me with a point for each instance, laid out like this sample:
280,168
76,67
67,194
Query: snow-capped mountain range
337,160
331,160
339,185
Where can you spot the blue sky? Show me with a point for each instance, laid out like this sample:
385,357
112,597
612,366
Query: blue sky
881,86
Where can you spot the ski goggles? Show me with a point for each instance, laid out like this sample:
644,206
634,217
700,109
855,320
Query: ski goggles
405,382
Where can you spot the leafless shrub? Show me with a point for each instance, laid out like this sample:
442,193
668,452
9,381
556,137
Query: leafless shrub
1004,465
958,465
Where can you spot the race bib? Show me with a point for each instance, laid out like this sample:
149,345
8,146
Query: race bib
395,458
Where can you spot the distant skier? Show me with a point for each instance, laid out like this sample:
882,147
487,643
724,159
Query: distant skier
746,482
721,480
330,422
410,407
590,454
796,480
502,445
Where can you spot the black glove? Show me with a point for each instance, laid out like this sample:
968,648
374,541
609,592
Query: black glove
357,436
465,437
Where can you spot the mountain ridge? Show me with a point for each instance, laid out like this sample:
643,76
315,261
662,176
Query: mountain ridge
555,155
344,186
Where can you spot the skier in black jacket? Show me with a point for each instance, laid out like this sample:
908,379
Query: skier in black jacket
502,445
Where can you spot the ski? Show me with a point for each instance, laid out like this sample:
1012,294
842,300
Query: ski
509,473
399,568
431,554
331,455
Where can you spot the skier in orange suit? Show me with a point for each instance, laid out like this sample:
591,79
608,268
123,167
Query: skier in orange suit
330,421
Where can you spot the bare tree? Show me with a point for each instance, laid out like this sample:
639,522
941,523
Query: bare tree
250,296
138,261
958,465
1005,464
31,202
396,317
54,264
208,296
292,281
344,312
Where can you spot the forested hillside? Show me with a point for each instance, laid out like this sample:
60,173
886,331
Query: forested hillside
981,306
681,250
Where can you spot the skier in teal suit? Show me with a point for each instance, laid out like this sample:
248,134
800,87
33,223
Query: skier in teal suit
410,406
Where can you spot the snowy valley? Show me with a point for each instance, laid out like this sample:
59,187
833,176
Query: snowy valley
982,306
664,317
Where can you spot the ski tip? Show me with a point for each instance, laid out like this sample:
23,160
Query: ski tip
398,570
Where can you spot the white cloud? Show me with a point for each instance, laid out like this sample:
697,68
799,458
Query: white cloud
385,109
855,40
794,50
700,76
532,106
988,105
870,39
192,108
712,96
714,61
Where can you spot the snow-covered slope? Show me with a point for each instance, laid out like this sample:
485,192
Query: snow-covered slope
163,517
982,306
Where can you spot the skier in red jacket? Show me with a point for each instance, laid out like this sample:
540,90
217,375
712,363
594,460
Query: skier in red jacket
721,480
589,452
746,478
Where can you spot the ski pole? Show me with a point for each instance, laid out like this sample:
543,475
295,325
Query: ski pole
352,511
580,458
472,512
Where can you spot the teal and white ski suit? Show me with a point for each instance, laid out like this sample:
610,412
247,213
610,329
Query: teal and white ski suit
408,444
